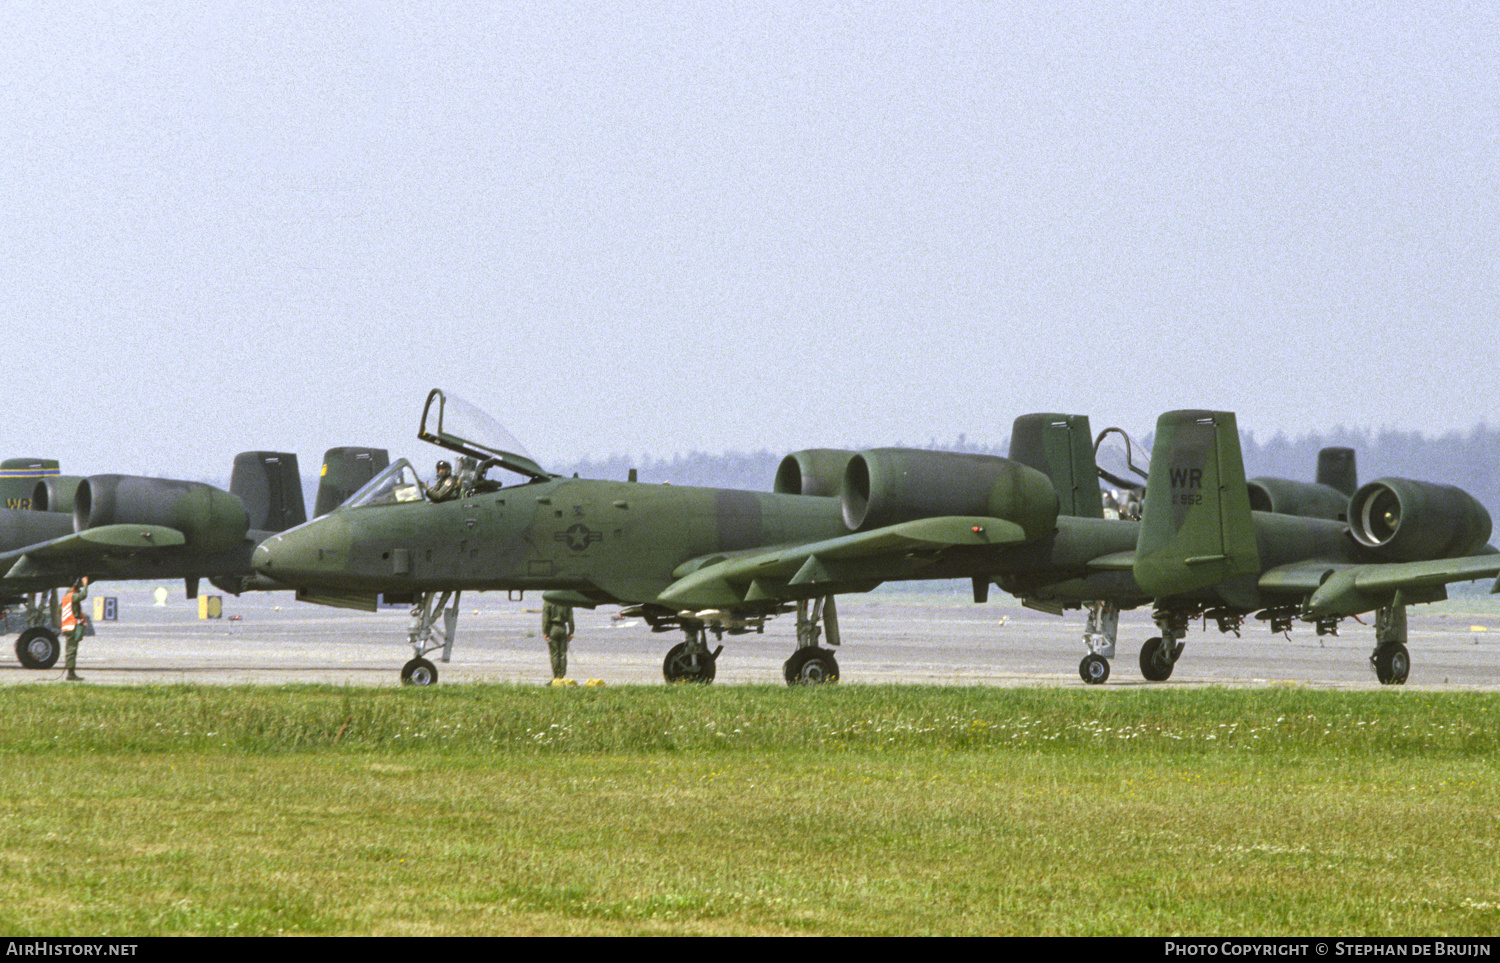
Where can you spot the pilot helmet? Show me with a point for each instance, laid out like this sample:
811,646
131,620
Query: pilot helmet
444,468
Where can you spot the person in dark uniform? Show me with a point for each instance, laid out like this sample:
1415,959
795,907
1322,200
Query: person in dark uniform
445,487
557,625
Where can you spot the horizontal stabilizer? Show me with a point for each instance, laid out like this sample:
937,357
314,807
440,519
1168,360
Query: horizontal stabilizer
1115,562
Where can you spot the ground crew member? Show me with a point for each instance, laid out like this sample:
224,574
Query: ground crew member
72,625
445,488
557,626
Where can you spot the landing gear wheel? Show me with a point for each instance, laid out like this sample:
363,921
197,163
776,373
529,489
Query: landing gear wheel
682,665
811,666
1154,665
419,672
1392,663
37,648
1094,669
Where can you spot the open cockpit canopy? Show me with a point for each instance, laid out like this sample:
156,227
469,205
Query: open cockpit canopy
450,422
1121,461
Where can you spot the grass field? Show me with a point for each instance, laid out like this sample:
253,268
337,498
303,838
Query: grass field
682,810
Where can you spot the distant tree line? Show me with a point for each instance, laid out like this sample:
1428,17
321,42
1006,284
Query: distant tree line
1470,460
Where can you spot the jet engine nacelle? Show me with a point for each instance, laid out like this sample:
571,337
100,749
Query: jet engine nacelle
1302,499
209,518
55,494
1408,521
884,486
812,471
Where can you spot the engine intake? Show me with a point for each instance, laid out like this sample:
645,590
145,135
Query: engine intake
884,486
1408,521
209,518
812,471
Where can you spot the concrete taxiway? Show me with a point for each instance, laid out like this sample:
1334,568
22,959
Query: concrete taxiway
934,636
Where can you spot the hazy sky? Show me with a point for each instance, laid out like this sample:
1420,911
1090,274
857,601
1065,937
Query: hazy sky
653,228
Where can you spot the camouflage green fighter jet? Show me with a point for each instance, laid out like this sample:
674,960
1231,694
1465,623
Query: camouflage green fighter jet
1205,550
722,561
703,561
121,527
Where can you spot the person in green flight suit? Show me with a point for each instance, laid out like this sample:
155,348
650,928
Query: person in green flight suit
72,625
445,487
557,625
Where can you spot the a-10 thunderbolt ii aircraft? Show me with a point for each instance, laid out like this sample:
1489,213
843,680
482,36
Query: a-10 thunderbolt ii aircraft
697,560
1205,550
724,561
120,527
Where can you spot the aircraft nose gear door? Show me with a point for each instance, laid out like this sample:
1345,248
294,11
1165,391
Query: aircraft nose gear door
424,639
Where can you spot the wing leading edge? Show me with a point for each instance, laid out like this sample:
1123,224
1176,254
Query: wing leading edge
856,562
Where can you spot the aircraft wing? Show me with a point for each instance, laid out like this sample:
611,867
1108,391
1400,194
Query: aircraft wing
1334,589
35,560
856,562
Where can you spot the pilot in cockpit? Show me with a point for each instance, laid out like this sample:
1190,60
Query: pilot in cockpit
445,487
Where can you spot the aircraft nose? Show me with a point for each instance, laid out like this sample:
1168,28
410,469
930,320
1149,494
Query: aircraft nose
316,553
289,556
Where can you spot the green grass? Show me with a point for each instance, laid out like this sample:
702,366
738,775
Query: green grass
743,810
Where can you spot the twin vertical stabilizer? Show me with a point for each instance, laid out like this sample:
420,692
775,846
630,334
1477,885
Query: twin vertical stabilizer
1062,448
1196,530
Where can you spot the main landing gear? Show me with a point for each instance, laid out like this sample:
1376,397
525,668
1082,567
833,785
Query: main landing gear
691,661
37,647
1391,660
1159,654
424,638
811,664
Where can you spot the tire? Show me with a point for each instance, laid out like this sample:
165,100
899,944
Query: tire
1392,663
1094,669
681,665
419,672
38,647
811,666
1153,666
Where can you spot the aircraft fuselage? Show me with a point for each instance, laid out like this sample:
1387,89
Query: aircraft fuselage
614,541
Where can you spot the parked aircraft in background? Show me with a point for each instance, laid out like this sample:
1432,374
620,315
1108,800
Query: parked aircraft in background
120,527
1205,551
